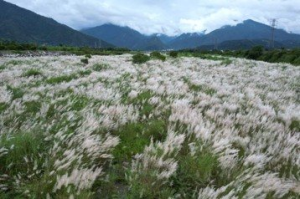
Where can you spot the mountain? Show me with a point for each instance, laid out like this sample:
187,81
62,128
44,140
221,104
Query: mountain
125,37
18,24
151,43
186,40
116,35
165,38
248,30
241,36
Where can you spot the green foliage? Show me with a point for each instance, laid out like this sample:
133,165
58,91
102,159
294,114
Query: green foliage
88,56
19,48
3,107
84,60
226,62
286,56
146,185
16,92
135,136
12,45
14,62
195,172
2,67
255,52
32,72
173,54
295,125
84,72
143,100
32,107
22,145
100,67
60,79
140,58
79,102
158,55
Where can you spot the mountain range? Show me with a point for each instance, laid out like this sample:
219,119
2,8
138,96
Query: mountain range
126,37
241,36
19,24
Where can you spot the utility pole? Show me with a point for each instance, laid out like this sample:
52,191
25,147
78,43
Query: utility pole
273,26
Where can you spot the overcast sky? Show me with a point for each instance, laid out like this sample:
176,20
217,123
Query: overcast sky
167,16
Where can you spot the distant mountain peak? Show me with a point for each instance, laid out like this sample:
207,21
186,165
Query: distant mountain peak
124,36
249,21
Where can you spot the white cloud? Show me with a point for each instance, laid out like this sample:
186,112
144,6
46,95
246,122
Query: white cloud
168,16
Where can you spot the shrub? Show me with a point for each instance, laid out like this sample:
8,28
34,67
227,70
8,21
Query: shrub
173,54
85,61
88,56
255,52
140,58
157,55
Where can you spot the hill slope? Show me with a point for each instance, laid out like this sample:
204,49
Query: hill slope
22,25
248,30
125,37
116,35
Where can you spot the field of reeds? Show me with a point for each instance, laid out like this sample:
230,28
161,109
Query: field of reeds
179,128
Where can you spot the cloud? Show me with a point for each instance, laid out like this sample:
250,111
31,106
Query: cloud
168,16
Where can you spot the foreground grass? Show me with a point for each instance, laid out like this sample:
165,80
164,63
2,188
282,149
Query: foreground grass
167,128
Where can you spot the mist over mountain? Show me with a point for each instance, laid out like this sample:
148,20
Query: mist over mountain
18,24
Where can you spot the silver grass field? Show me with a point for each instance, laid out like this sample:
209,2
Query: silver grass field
183,128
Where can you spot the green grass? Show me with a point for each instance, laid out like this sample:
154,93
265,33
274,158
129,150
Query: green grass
133,139
226,62
195,172
14,62
29,145
16,92
135,136
295,125
32,72
143,100
3,107
84,72
199,88
100,67
61,79
29,139
32,107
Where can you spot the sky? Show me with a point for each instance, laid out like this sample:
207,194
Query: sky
171,17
